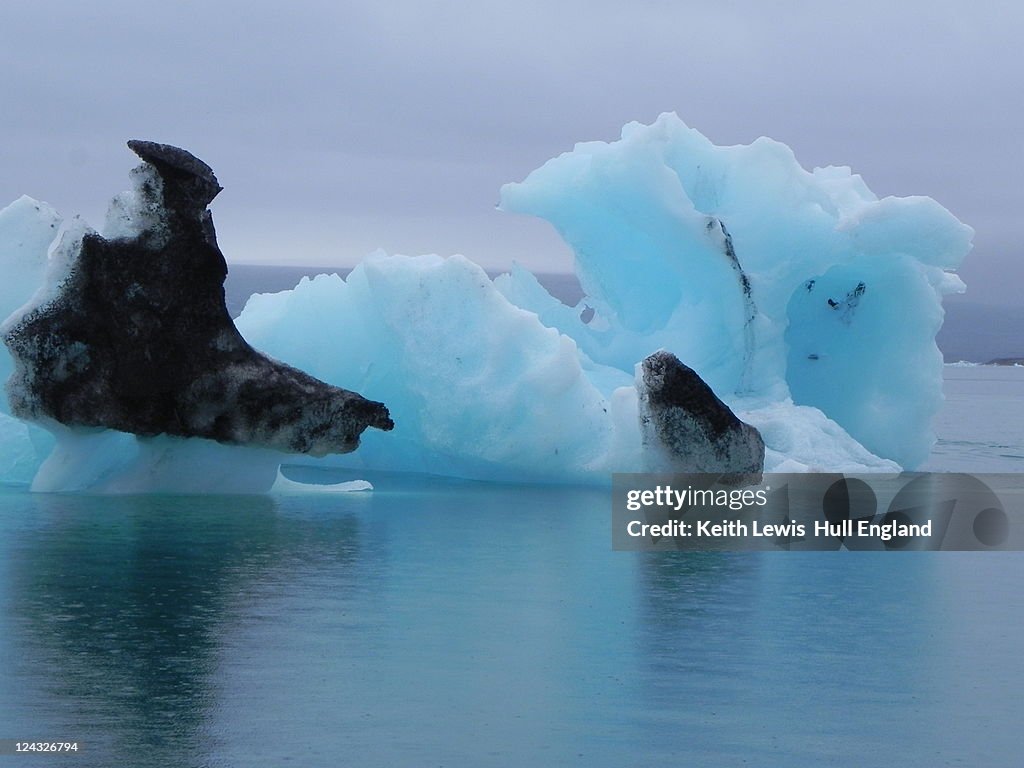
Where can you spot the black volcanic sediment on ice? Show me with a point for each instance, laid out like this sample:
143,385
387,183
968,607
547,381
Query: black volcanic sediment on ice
138,338
681,415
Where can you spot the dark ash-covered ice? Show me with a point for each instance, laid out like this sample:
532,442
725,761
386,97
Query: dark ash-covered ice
683,419
136,336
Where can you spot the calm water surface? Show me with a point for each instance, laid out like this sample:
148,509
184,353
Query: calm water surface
464,625
434,624
981,424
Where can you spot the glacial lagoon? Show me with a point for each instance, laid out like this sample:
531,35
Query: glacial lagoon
451,623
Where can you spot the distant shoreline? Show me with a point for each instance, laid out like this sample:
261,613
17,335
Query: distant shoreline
1009,362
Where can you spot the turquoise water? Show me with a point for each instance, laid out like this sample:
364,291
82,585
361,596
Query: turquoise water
469,625
459,624
981,424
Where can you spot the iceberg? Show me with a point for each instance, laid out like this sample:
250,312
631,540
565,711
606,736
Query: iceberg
809,305
769,280
129,337
480,388
805,303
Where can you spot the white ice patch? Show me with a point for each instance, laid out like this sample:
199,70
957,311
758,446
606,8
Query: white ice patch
27,229
138,210
60,261
106,461
284,486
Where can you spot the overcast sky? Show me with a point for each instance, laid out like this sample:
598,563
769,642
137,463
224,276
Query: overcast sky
337,128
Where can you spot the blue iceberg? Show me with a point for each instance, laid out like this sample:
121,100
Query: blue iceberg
809,305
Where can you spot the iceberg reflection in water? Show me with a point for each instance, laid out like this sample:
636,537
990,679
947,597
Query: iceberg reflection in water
461,624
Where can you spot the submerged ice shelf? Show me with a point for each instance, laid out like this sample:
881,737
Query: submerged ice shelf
807,304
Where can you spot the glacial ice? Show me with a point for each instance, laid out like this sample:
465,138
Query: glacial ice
27,227
112,462
481,388
846,287
808,304
130,332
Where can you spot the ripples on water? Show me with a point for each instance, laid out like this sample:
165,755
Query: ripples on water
981,424
434,623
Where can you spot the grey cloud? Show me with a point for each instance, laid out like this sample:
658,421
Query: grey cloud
338,127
